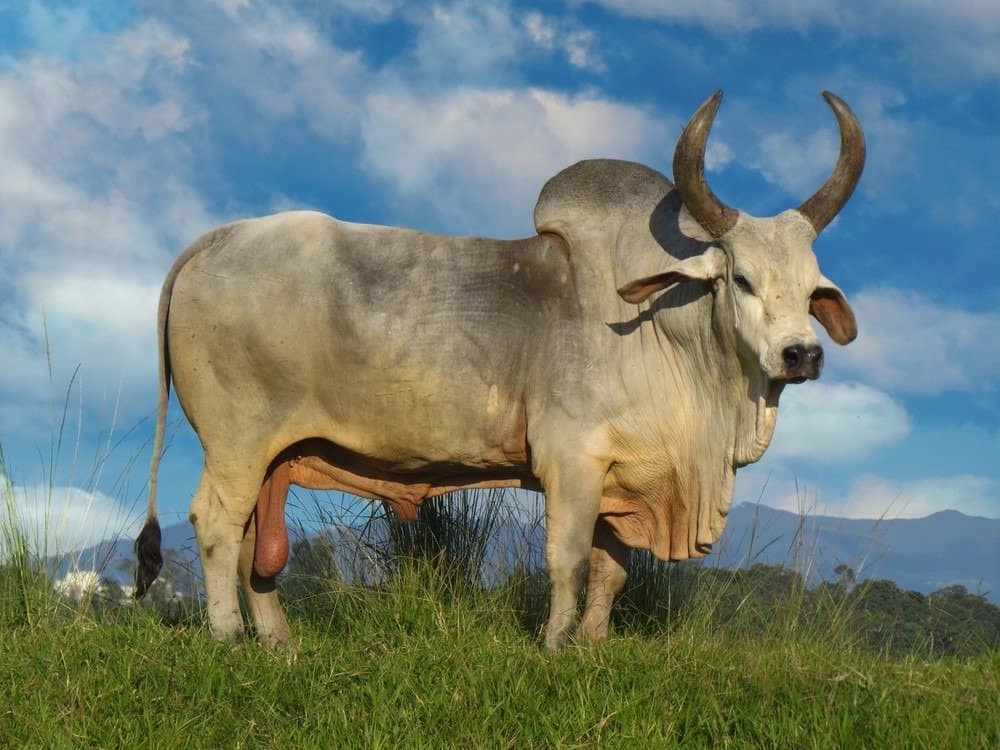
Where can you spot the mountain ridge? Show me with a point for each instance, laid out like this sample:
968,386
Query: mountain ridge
946,548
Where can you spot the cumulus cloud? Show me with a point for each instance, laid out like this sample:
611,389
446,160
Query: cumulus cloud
63,519
576,43
730,15
945,40
272,64
485,41
459,151
797,165
85,233
911,344
718,155
104,155
467,38
795,142
827,422
871,496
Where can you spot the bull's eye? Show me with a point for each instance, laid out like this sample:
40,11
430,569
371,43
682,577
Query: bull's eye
742,283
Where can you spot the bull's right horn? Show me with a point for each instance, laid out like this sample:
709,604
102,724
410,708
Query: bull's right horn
826,202
689,172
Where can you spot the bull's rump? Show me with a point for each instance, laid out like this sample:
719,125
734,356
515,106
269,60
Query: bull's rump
397,345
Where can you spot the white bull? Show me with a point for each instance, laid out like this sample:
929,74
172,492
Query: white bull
626,360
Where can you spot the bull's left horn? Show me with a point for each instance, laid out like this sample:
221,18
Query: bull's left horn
829,199
689,172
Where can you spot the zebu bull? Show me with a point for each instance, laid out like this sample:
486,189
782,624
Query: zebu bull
626,360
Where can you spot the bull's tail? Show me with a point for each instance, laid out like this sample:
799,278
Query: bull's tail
147,545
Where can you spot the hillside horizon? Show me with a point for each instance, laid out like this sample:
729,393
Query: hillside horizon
945,548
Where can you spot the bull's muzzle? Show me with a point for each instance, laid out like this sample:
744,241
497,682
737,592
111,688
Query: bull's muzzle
802,362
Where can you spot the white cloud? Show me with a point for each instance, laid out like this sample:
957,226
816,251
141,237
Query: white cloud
576,43
541,30
466,38
103,156
466,41
63,520
277,60
907,343
479,156
730,15
798,165
794,142
233,8
95,199
836,422
942,40
78,584
871,496
718,155
58,29
104,324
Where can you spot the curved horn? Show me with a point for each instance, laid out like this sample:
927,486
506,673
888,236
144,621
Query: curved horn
829,199
689,172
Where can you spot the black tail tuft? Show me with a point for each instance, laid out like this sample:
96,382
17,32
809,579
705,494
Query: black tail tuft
147,552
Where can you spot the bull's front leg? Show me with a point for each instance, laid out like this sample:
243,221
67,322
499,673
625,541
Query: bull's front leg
572,501
608,572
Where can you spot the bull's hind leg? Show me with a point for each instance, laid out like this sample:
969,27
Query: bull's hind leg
263,555
219,513
261,594
608,562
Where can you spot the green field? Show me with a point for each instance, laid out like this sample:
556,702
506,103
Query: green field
419,663
429,655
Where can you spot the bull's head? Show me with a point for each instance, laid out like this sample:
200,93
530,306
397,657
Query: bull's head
766,267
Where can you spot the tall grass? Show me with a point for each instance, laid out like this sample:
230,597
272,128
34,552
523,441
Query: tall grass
32,519
24,591
427,644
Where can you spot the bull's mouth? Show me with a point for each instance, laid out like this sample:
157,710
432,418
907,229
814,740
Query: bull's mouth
774,389
779,382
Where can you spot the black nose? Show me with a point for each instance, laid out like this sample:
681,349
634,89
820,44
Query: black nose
802,361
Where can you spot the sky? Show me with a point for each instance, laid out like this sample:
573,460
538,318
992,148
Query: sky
127,129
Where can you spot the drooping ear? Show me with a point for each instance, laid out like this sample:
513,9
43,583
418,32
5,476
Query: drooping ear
710,265
829,306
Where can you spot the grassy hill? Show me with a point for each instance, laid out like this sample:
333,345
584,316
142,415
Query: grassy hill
417,663
422,653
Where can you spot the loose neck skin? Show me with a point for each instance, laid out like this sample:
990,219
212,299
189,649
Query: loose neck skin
689,422
694,376
754,395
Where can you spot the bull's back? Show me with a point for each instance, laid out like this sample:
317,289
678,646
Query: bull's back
408,347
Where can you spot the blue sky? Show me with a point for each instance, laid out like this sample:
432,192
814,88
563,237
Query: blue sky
126,130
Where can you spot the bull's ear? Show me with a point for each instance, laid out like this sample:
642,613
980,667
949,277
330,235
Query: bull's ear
708,266
829,306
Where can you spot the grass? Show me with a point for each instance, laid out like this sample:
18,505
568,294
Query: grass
408,665
425,655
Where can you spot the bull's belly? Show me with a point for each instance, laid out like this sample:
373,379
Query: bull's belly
415,425
321,465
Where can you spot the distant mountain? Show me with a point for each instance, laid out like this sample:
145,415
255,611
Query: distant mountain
924,554
115,559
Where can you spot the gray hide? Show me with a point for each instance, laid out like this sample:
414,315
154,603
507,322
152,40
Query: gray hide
397,364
